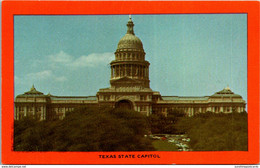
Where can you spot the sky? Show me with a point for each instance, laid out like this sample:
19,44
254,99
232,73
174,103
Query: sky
189,54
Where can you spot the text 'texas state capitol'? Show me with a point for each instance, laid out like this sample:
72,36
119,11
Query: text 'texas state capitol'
129,88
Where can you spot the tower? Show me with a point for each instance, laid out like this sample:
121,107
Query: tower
130,60
129,82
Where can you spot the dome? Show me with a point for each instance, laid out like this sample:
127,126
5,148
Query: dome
130,41
226,92
33,91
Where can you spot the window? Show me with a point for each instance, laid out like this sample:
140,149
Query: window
107,97
30,108
21,108
38,109
142,108
142,97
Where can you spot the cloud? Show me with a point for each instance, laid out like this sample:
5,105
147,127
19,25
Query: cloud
91,60
18,80
40,75
44,75
60,66
61,57
61,79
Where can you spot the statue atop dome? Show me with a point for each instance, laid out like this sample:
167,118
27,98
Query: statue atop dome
130,26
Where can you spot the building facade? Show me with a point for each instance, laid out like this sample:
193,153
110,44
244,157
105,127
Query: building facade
129,88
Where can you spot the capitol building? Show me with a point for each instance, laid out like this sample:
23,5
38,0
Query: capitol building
129,88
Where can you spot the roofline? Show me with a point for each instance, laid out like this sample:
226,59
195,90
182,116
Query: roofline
187,96
72,96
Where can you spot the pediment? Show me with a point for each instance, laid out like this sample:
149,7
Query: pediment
125,80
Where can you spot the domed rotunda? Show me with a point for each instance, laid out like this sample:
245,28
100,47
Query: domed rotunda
130,84
130,59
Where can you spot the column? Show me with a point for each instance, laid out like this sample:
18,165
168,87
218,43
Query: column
111,71
139,71
133,71
119,70
33,107
122,70
114,73
145,70
136,70
63,112
135,108
15,111
125,71
142,69
42,113
25,111
130,70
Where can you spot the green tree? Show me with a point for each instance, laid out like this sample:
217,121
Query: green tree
86,129
216,132
161,124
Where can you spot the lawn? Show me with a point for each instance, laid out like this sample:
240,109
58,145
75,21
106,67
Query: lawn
160,145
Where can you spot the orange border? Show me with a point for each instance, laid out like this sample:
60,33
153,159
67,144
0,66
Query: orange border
11,8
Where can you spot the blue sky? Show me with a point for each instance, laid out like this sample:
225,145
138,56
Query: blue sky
190,55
